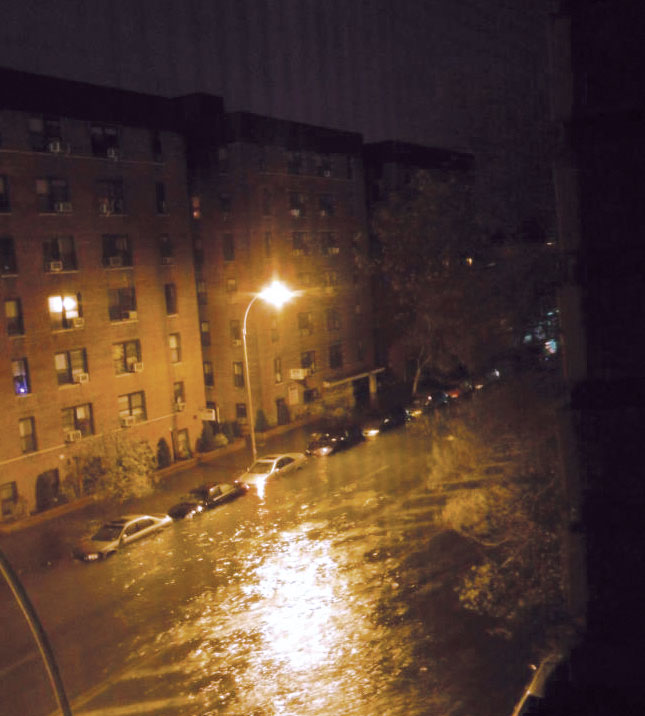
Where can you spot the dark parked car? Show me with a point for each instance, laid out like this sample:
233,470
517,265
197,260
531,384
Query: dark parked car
334,440
388,420
205,497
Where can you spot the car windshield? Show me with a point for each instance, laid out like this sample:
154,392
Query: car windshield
107,533
261,467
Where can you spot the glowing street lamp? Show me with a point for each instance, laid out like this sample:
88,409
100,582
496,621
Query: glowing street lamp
276,294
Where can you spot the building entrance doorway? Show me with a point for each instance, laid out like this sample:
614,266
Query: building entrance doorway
47,490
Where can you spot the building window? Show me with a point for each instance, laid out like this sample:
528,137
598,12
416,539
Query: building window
27,430
155,146
225,203
122,304
8,264
308,360
178,393
299,244
330,278
174,344
304,280
350,168
297,205
132,405
324,167
329,244
266,202
59,254
235,331
209,378
228,247
238,374
166,249
5,204
13,315
305,323
43,130
326,205
277,369
262,159
79,417
198,253
170,292
202,295
294,163
310,396
70,365
205,331
275,333
8,498
65,311
223,160
110,196
126,357
240,412
231,285
20,372
160,198
52,194
267,244
117,250
105,140
335,355
333,319
360,351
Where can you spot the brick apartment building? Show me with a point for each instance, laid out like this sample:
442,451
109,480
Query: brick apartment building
97,281
279,200
134,232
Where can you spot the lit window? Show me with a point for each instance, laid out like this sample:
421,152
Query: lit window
65,311
20,372
27,429
126,357
238,374
13,317
174,344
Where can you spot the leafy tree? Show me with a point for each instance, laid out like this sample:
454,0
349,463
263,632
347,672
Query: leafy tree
163,453
206,441
448,293
497,463
119,467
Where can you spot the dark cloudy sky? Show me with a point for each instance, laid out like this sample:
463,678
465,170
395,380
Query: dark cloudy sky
464,74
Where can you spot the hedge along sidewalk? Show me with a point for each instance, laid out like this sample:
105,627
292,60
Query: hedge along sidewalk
158,476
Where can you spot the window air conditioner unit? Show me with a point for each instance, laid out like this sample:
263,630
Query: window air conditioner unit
297,252
326,172
127,421
62,207
81,377
112,153
78,322
179,406
295,212
73,435
237,342
55,266
324,212
132,315
298,373
115,261
55,147
167,260
105,207
334,250
137,367
207,414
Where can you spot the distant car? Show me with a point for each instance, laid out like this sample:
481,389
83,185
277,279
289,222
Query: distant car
205,497
394,418
548,686
271,466
119,533
334,440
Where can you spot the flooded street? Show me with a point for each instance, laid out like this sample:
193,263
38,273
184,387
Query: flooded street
330,591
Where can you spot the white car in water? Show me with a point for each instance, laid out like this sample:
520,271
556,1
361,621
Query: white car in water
119,533
271,466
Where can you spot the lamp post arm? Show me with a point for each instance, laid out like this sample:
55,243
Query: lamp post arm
247,378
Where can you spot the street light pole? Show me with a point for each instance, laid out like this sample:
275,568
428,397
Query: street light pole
247,379
276,294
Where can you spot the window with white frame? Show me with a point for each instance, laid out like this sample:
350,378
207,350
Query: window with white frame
70,365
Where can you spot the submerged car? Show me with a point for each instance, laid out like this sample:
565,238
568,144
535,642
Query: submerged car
119,533
272,465
394,418
327,442
205,497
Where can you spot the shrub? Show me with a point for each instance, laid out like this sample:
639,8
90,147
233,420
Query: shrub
227,431
206,441
163,454
261,424
220,440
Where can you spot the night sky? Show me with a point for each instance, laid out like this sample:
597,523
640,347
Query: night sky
467,75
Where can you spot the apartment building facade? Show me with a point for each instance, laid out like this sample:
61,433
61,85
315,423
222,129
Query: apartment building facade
99,336
279,200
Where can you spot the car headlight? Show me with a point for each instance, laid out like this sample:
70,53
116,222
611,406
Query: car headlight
91,557
370,432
